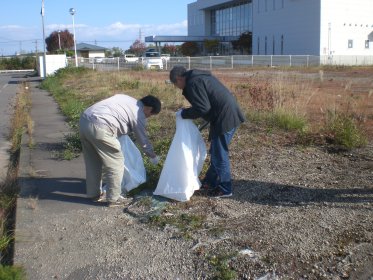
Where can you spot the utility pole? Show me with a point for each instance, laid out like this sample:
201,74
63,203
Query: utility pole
36,46
45,53
140,34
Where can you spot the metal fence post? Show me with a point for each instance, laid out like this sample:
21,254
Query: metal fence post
290,60
308,60
271,61
210,63
232,61
118,62
188,62
252,61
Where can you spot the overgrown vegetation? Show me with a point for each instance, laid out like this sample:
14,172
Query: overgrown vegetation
343,130
9,189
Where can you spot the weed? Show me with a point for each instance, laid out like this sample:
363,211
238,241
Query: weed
12,273
185,223
341,129
222,269
128,84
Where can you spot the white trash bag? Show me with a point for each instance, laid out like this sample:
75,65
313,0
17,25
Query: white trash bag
184,162
134,169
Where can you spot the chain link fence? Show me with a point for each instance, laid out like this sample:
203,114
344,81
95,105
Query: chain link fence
228,62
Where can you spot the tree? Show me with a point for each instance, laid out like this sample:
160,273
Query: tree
66,39
137,48
211,46
244,42
189,48
170,49
117,52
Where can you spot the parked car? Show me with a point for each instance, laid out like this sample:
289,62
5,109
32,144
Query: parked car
99,59
151,60
128,58
165,57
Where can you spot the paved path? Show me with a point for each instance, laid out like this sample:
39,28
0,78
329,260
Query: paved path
49,186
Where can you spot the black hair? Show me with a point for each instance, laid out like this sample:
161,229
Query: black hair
177,71
152,101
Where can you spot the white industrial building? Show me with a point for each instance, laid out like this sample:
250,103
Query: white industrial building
288,27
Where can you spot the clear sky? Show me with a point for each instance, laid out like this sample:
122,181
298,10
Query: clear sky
109,23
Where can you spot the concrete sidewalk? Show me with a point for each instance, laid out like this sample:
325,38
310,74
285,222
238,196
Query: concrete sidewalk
49,187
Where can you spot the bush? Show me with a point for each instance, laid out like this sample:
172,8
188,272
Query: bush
342,129
18,63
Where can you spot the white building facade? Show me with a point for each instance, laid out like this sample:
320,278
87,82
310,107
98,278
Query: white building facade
289,27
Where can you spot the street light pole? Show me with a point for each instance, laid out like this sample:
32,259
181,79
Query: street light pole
45,53
59,39
72,12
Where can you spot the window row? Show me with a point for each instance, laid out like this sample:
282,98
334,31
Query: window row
233,20
351,44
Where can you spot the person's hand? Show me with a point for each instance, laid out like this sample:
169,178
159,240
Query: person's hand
178,113
154,160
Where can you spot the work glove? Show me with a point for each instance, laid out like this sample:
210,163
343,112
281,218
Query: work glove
154,160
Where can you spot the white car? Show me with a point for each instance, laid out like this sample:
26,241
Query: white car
130,58
151,60
165,56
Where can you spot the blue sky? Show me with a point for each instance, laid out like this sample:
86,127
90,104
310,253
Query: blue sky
110,23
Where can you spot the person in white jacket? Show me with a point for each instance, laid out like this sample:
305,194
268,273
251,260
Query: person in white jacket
99,128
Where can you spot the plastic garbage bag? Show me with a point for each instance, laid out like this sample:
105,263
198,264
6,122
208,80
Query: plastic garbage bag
184,162
134,169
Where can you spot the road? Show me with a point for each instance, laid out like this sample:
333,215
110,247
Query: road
9,82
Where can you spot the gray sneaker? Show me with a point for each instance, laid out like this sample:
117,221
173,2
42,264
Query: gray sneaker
121,201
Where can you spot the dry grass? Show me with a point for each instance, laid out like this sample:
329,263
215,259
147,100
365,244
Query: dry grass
308,93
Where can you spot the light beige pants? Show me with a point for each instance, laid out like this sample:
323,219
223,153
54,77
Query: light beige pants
103,157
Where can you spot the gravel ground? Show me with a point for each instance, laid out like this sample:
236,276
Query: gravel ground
296,213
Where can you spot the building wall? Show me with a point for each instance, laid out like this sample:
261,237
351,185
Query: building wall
291,26
344,20
199,17
299,27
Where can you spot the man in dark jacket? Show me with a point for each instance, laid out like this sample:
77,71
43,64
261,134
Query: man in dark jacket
213,102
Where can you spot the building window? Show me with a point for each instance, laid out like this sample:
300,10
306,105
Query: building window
232,20
367,44
350,44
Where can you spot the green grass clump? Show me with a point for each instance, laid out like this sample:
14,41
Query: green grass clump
185,223
279,118
343,130
12,273
222,270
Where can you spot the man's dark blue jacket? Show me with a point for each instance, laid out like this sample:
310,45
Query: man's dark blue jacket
212,101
